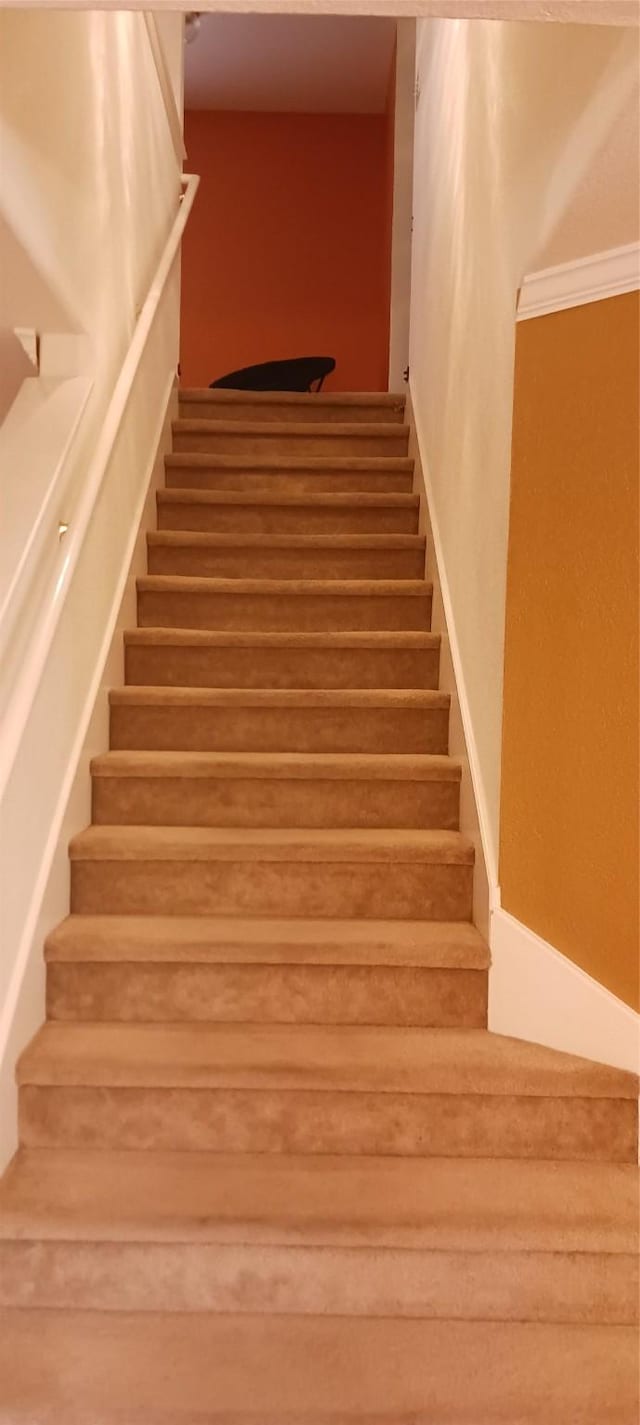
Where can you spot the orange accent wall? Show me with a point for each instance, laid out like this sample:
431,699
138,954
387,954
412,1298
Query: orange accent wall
286,252
569,819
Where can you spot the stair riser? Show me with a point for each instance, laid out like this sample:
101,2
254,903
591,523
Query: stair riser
290,482
275,802
308,409
267,994
286,1121
252,563
399,891
297,1280
158,666
282,613
268,729
288,519
273,444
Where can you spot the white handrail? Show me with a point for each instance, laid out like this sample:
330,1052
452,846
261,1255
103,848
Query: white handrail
15,593
34,660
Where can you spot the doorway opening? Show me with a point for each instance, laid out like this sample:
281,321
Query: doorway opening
300,128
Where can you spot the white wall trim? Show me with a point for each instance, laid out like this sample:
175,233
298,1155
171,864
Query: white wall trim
401,226
174,118
489,849
588,279
536,993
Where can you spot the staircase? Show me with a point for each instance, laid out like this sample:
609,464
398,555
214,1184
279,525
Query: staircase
273,1168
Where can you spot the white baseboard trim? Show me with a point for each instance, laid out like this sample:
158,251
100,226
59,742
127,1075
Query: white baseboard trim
489,849
536,993
573,284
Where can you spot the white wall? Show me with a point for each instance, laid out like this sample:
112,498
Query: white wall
403,120
604,211
48,797
507,120
90,193
89,188
15,367
86,182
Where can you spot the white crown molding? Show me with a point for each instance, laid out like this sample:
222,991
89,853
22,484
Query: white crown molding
536,993
588,279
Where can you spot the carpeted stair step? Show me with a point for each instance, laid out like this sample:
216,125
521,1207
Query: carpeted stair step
273,1167
266,512
310,1089
206,404
484,1239
287,556
149,968
286,606
291,437
142,870
284,789
108,1368
314,661
273,720
291,474
451,1204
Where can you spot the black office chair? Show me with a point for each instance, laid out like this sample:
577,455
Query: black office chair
303,373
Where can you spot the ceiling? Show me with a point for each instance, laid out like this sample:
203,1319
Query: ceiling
316,64
581,12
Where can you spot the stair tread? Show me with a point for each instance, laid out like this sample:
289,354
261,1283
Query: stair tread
205,460
104,1368
196,539
208,395
202,424
326,638
433,1204
323,1058
301,698
204,843
331,499
288,588
208,939
332,766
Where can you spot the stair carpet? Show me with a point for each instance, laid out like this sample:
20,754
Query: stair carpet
272,1166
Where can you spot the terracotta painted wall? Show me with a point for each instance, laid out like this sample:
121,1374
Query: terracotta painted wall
287,249
569,822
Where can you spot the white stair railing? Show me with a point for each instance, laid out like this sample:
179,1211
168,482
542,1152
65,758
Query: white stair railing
76,519
64,613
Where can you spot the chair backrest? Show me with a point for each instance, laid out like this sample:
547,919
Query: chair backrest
302,373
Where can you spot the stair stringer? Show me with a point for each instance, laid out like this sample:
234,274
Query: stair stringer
473,818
